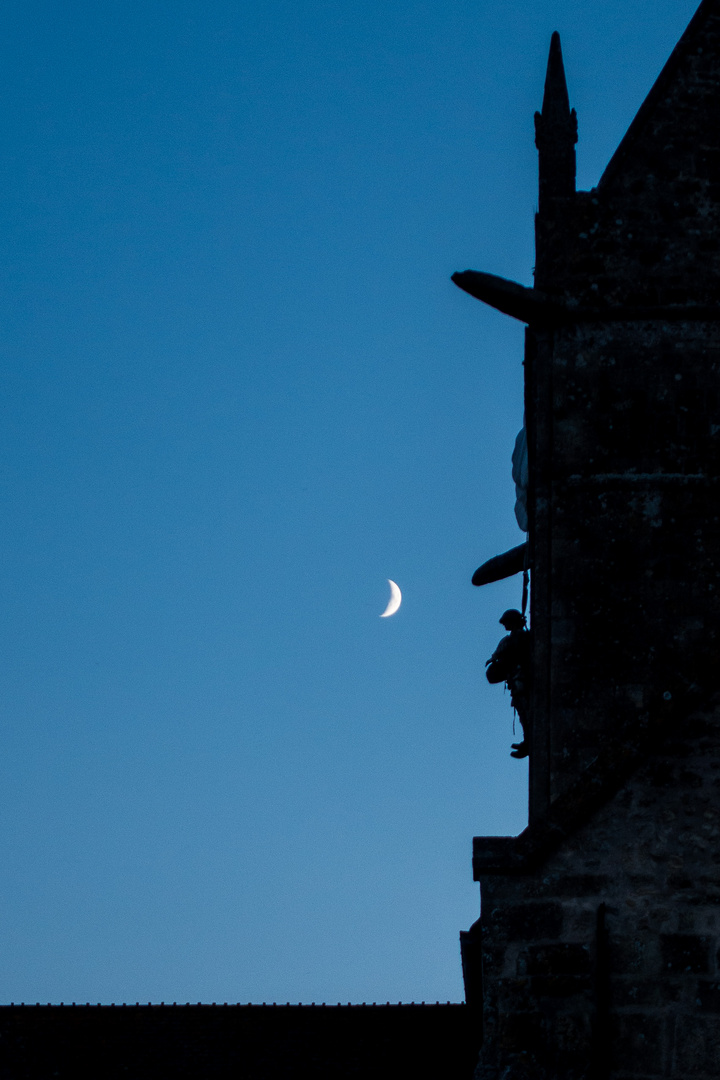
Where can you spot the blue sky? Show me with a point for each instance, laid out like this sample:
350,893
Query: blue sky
239,393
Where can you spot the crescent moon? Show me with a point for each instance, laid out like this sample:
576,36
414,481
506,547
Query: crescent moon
394,602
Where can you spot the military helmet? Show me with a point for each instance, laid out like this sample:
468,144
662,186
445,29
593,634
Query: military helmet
512,619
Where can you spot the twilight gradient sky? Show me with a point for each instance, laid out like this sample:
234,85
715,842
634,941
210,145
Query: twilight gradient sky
239,392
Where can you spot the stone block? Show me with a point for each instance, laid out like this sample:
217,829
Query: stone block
515,995
631,992
559,959
633,1076
637,1043
697,1046
559,986
582,885
531,921
707,997
493,957
629,956
522,1032
571,1036
683,953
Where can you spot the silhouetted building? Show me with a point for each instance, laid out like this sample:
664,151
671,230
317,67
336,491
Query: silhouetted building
234,1042
596,954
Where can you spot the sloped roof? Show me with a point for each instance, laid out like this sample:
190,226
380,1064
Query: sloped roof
682,110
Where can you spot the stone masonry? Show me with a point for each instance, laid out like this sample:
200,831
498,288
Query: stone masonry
601,958
598,948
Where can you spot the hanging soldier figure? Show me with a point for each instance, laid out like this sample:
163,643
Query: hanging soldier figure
510,663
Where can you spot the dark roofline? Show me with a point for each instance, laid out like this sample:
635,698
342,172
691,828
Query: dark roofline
166,1007
633,133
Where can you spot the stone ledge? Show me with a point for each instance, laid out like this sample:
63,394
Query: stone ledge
624,751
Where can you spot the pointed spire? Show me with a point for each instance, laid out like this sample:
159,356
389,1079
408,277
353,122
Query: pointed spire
556,132
556,103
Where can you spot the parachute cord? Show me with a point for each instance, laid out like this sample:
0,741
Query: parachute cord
526,578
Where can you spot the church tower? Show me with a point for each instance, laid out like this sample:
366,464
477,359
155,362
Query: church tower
597,950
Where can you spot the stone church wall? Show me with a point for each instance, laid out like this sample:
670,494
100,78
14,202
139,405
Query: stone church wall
609,953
